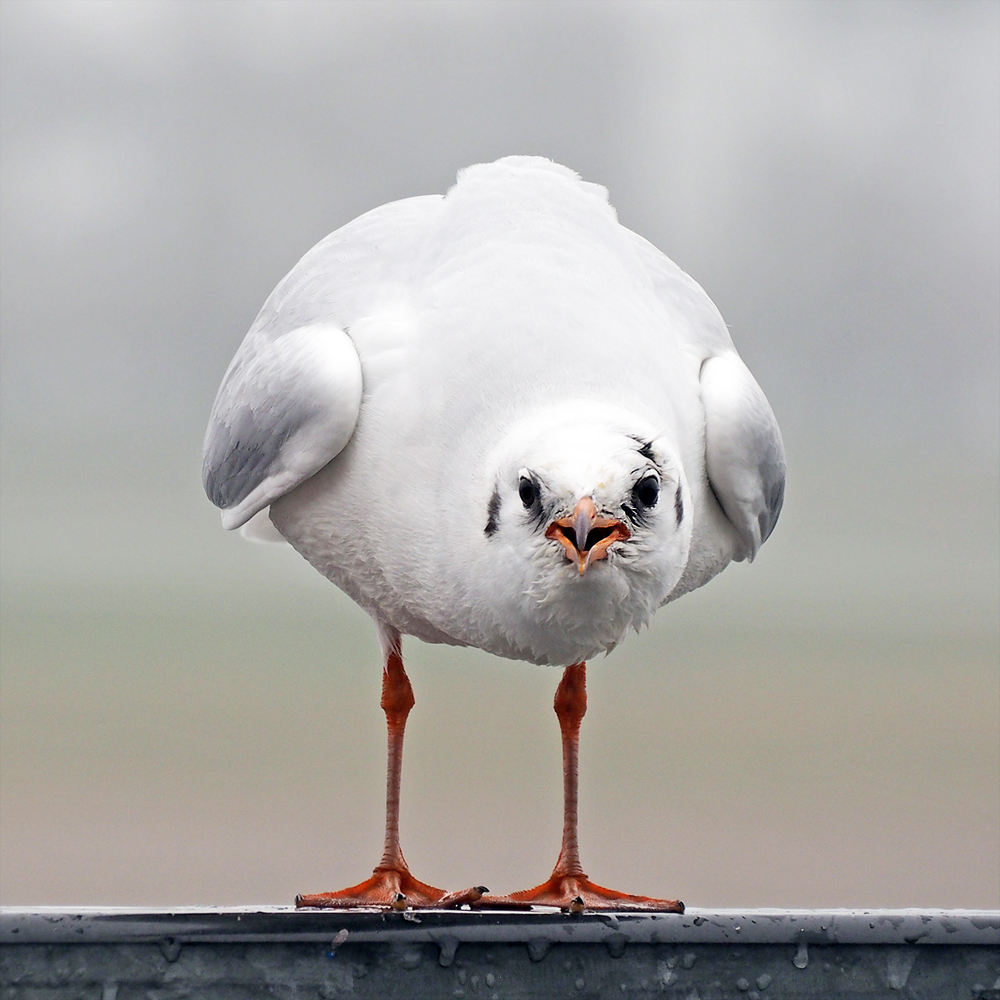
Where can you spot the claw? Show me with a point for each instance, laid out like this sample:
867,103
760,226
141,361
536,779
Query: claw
453,900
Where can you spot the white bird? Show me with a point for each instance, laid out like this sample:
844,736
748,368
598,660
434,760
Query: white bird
497,418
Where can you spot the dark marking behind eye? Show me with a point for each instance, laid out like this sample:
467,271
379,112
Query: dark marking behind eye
630,513
645,448
493,512
679,505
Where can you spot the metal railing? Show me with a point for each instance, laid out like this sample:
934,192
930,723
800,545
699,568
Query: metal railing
115,954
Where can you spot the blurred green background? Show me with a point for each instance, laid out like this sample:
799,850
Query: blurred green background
189,718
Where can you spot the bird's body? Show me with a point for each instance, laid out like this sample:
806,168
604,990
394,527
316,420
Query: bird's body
430,368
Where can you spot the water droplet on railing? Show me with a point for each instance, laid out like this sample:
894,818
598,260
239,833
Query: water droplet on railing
538,948
616,945
665,976
448,946
171,949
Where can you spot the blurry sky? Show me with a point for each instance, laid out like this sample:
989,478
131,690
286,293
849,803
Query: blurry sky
187,718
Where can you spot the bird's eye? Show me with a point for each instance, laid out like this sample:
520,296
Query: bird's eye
527,491
647,491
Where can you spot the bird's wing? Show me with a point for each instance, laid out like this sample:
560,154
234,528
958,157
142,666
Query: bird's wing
744,454
286,407
290,400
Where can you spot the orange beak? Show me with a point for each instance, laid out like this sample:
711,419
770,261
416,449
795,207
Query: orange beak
585,536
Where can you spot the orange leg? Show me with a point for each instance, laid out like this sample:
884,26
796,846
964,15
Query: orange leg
391,883
568,887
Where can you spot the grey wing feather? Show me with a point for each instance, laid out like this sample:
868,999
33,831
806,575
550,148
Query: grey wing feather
285,408
240,449
744,454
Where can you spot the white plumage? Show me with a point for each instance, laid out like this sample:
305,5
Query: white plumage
439,385
510,324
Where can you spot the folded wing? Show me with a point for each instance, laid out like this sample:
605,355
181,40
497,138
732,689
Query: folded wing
744,455
287,406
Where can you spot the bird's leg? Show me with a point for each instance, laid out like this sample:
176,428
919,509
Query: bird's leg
397,700
568,887
391,883
570,704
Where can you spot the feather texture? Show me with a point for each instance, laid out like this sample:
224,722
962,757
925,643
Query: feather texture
286,407
403,376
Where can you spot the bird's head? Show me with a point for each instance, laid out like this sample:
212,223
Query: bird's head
590,512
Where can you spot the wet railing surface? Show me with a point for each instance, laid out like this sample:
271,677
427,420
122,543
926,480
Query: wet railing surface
118,954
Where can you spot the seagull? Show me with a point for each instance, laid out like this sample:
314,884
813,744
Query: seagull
496,418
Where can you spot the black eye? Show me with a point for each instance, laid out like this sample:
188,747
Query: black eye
647,491
528,492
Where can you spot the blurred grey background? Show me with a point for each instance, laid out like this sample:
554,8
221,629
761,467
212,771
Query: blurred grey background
189,718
